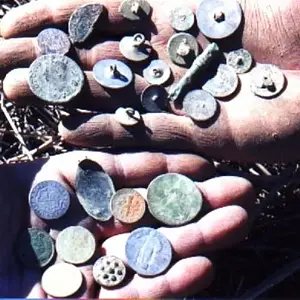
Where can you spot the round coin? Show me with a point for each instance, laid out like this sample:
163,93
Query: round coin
218,19
83,20
53,41
182,18
154,99
75,245
148,252
158,72
224,83
109,271
112,73
127,116
61,280
199,105
240,60
135,10
55,78
35,248
127,205
174,199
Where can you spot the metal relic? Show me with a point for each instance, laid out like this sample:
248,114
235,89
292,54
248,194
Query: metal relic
55,78
112,73
174,199
218,19
135,10
158,72
182,18
148,252
154,99
127,116
240,60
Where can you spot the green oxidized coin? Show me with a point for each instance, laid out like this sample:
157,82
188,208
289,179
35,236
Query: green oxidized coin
174,199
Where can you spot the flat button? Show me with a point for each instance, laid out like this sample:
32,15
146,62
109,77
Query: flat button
158,72
240,60
154,99
182,18
135,10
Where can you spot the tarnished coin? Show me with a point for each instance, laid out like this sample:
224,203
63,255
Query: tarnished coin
35,248
75,244
267,80
174,199
199,105
83,20
55,78
109,271
127,205
127,116
240,60
112,73
158,72
53,41
94,189
135,10
218,19
182,48
61,280
154,99
223,84
49,200
148,252
182,18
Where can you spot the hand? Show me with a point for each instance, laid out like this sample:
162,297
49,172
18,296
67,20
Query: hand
230,201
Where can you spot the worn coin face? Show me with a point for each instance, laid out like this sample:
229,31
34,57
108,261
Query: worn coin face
94,189
55,78
267,80
148,252
218,19
75,244
182,18
35,248
135,10
109,271
112,73
158,72
49,200
83,20
174,199
223,84
199,105
240,60
127,116
154,99
61,280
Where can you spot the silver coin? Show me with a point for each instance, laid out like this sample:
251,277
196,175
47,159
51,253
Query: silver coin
199,105
112,73
127,116
55,78
148,252
135,10
224,84
53,41
154,99
49,200
158,72
83,20
182,18
240,60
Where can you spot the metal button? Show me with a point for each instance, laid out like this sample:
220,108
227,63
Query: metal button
154,99
240,60
182,18
112,73
135,10
182,48
218,19
158,72
127,116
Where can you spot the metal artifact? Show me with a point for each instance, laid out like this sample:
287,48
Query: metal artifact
127,116
135,10
240,60
158,72
182,18
154,99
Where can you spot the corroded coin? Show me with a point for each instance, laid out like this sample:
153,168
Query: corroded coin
199,105
127,205
158,72
182,18
223,84
75,244
61,280
83,20
49,200
148,252
240,60
154,99
174,199
109,271
135,10
55,78
94,189
35,248
127,116
53,41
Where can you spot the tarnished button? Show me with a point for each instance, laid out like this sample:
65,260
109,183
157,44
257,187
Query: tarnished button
135,48
127,116
182,18
154,99
199,105
135,10
112,73
267,80
182,48
240,60
218,19
158,72
223,84
83,20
